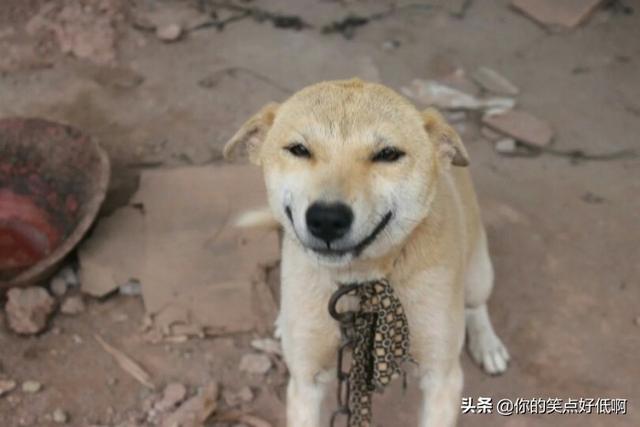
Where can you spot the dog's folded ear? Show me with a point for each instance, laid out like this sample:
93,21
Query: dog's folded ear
252,132
446,139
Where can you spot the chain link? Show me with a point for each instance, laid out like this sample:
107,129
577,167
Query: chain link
346,321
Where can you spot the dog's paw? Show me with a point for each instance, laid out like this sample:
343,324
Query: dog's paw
488,352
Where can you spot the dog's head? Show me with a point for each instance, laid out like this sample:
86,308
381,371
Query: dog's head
350,167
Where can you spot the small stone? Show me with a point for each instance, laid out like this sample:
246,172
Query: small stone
169,32
77,338
131,288
14,400
6,386
458,80
60,416
506,146
27,420
494,82
195,410
58,286
173,395
235,398
257,364
28,309
445,97
70,276
520,125
391,44
245,394
73,305
637,320
31,386
490,134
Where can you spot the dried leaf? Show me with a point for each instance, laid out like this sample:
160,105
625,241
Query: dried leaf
126,363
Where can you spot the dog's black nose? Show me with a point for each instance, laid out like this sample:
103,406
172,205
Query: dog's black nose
329,221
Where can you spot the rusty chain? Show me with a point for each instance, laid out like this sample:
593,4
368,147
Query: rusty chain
346,320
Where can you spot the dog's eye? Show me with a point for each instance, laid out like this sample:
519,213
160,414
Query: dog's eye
387,154
298,150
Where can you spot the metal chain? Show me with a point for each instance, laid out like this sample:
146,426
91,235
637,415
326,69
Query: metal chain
346,320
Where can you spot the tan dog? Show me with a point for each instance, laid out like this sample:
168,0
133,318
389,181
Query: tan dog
364,187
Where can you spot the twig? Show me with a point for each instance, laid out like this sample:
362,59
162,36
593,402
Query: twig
126,363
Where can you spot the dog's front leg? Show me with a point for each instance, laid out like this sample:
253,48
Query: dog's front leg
309,337
305,394
441,387
309,356
435,310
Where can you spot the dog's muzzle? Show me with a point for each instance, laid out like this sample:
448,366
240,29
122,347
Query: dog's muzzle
329,223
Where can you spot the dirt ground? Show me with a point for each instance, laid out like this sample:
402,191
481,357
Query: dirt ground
564,235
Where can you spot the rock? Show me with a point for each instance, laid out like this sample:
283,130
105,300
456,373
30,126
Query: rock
567,13
494,82
28,309
195,411
244,395
490,134
58,286
60,416
131,288
147,17
70,276
173,395
169,33
458,79
257,364
391,44
267,345
28,419
6,386
110,256
522,126
31,386
637,322
506,146
432,93
73,305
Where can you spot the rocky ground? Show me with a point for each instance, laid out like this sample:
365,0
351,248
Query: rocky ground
164,83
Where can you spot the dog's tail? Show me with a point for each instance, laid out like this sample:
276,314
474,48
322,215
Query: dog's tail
258,218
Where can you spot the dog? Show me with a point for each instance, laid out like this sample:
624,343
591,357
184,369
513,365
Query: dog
365,186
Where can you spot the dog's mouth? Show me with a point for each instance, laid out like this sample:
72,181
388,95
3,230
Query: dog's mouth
355,250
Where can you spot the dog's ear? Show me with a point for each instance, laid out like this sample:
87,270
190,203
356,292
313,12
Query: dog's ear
445,138
253,132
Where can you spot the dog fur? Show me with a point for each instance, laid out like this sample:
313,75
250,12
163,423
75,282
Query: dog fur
433,249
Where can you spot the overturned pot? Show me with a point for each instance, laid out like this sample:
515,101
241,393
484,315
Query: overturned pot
53,180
